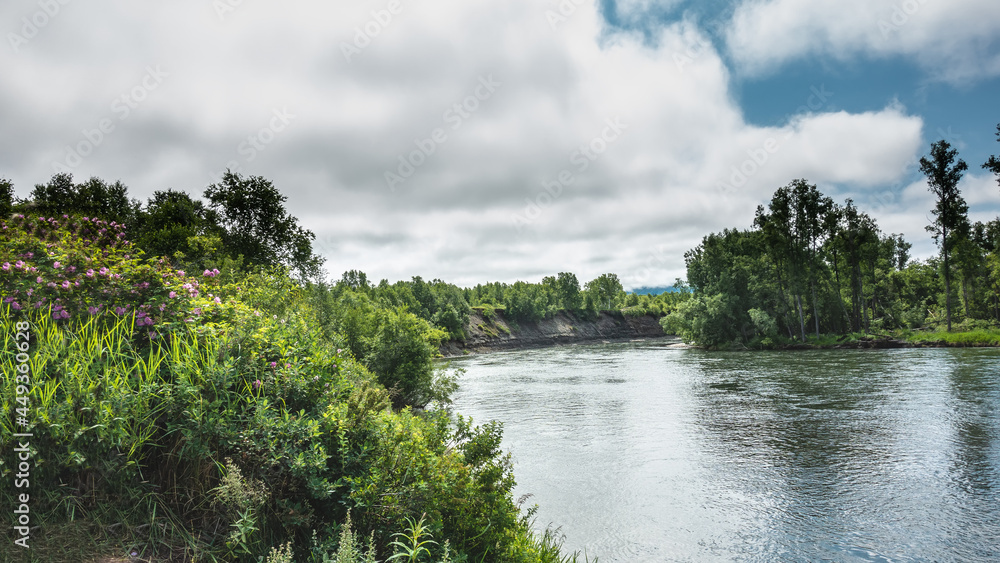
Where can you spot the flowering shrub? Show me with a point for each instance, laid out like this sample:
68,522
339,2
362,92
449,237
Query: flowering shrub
83,266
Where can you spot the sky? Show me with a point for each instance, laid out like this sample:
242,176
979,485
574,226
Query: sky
508,140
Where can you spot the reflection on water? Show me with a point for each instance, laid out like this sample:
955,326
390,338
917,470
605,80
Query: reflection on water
647,453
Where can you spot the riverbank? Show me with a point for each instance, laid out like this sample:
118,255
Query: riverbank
981,338
497,333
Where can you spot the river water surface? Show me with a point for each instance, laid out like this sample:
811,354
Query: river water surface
646,452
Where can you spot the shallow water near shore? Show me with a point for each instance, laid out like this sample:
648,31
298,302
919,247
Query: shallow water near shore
647,452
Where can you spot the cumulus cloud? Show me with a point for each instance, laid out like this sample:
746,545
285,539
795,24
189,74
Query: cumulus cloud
525,145
954,41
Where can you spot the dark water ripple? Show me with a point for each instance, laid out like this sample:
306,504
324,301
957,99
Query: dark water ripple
647,453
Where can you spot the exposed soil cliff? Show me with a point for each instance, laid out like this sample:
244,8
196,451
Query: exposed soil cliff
486,335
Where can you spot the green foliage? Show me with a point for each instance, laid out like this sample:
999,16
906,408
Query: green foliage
95,197
6,198
245,430
569,291
255,225
412,543
810,262
173,222
973,337
763,323
393,343
607,291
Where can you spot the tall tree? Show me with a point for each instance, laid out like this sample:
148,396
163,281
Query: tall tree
256,225
794,229
811,211
943,175
569,291
993,164
855,238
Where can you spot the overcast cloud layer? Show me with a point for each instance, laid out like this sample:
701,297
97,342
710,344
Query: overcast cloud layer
535,141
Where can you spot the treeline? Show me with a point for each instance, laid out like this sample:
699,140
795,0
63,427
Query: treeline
243,222
530,302
810,266
244,226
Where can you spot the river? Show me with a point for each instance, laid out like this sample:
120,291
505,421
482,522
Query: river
645,452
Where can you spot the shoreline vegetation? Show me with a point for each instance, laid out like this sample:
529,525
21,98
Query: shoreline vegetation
613,327
810,267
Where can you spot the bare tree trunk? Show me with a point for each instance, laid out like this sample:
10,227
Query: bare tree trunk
815,309
784,302
802,322
862,300
947,278
840,298
965,296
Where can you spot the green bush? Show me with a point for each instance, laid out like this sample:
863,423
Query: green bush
233,426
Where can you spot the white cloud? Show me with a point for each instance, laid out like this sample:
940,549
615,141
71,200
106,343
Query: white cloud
650,195
955,41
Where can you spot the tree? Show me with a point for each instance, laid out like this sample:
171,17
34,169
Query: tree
993,164
356,280
569,291
256,225
95,198
174,222
943,175
607,290
6,198
794,229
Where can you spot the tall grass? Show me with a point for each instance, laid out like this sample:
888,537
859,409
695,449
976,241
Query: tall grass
975,337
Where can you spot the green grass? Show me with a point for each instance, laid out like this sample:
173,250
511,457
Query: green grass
977,337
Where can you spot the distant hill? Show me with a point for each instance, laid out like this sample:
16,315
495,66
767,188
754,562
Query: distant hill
653,290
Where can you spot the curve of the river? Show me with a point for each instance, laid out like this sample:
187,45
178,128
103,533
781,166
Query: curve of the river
647,452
